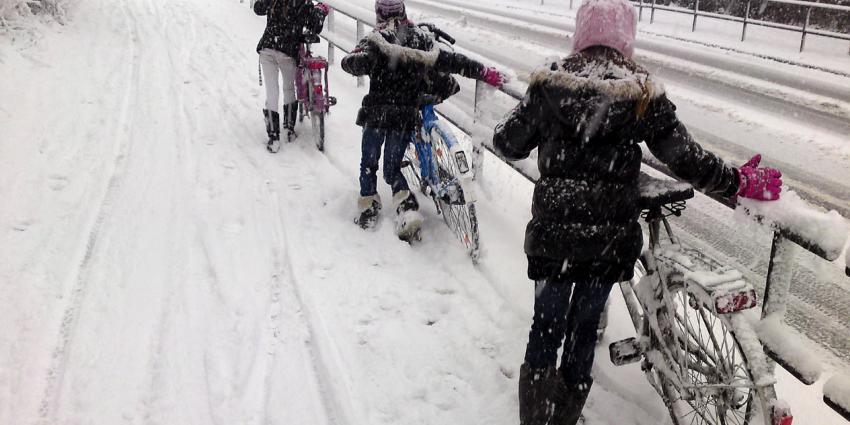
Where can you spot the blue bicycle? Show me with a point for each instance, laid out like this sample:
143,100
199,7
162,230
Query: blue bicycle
439,166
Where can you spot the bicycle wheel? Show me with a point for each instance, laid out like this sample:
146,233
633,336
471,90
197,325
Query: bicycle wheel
704,352
318,120
458,213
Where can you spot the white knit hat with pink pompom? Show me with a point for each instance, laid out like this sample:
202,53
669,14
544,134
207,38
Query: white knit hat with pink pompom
610,23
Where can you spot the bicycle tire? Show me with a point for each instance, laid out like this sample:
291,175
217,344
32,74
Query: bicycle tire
318,121
459,216
734,399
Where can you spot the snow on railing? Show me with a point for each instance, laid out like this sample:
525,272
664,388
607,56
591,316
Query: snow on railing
836,394
794,223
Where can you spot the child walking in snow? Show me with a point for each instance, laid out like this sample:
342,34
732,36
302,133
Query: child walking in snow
398,57
278,49
586,116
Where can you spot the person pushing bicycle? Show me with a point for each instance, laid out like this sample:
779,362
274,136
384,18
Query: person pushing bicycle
586,116
399,59
286,21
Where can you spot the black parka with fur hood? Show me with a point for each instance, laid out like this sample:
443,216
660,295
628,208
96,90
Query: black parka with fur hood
587,115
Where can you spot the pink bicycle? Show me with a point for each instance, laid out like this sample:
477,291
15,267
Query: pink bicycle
311,87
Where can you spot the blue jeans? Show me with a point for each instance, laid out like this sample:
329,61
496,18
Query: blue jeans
395,143
568,313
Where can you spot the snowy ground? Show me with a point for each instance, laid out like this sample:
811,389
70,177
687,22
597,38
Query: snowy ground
160,267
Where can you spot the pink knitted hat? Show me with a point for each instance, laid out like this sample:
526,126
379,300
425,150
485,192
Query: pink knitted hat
611,23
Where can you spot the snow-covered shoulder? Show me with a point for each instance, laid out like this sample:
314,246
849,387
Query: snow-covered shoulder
791,213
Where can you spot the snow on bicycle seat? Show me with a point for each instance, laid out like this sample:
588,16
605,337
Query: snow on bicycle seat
656,192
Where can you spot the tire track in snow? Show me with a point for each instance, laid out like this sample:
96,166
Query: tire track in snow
56,370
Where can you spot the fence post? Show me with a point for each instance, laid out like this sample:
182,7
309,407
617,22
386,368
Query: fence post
640,10
330,29
571,4
805,27
746,18
652,12
696,9
779,271
359,37
477,154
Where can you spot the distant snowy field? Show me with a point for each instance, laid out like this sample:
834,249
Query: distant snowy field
160,267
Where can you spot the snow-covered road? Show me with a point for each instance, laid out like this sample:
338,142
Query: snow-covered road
160,267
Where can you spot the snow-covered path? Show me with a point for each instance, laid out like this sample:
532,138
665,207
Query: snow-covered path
160,267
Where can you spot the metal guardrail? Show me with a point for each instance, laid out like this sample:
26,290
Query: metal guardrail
778,279
746,20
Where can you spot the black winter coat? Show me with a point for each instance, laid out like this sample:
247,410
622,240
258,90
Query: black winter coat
399,78
586,115
286,21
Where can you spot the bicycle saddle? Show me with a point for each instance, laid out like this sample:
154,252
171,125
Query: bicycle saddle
655,193
309,38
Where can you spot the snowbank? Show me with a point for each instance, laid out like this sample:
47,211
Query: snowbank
828,230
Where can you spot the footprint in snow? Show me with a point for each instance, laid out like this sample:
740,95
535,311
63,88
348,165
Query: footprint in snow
57,182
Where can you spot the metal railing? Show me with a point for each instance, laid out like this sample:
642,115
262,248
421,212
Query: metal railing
746,20
778,278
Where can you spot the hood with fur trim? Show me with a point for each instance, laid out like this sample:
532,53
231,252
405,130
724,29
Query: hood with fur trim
597,94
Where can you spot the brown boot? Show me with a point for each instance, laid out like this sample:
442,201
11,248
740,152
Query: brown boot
535,388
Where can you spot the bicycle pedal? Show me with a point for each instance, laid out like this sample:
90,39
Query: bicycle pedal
625,352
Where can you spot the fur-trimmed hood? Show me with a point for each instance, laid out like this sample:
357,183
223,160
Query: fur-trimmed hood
396,53
618,80
596,94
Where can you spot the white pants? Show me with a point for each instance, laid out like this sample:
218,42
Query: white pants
274,63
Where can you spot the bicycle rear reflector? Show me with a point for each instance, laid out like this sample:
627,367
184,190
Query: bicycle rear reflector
782,416
731,302
462,165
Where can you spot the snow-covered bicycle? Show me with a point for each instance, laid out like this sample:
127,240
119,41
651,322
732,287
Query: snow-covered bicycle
698,348
311,87
438,165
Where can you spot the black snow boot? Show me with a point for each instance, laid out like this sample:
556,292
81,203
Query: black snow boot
369,207
290,114
568,401
535,387
272,119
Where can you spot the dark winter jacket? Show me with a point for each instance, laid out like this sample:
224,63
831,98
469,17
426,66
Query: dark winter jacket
399,77
586,115
286,21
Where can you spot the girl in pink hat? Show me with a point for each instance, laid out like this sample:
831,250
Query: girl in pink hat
586,115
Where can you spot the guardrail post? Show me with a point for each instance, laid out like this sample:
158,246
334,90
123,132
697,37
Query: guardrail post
696,11
746,18
477,153
330,29
360,35
779,271
652,12
805,27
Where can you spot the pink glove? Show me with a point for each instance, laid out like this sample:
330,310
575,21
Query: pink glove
324,8
493,77
760,183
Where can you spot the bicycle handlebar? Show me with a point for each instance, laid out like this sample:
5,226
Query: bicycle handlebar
438,33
